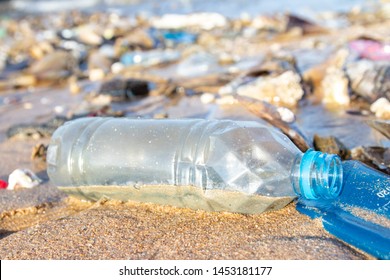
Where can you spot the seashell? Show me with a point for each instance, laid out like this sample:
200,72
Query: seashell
23,178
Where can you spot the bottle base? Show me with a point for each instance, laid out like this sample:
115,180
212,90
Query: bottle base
182,196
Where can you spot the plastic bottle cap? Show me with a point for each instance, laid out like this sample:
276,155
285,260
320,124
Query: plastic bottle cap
320,175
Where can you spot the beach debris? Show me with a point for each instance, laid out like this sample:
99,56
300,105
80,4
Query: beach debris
279,89
275,81
39,152
149,58
371,49
120,89
99,65
35,130
18,81
56,65
330,145
171,38
305,26
383,126
369,80
374,156
23,178
279,118
329,83
203,21
3,184
136,39
381,108
198,64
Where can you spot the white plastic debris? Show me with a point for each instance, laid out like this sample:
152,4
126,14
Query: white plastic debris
206,21
23,178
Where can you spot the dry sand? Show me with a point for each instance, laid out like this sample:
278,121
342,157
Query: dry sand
73,229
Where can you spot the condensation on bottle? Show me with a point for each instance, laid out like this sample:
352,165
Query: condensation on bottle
214,165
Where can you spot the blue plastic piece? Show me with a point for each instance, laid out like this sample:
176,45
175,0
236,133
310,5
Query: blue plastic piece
163,37
365,187
364,190
180,37
367,236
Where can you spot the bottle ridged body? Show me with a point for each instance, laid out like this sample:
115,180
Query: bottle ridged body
239,156
236,166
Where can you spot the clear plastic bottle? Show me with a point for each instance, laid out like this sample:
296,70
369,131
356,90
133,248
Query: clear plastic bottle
218,165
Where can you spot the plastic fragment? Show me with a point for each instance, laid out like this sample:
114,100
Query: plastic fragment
23,178
3,184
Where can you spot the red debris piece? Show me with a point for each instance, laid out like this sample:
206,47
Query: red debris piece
3,184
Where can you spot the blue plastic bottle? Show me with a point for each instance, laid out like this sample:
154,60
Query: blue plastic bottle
360,215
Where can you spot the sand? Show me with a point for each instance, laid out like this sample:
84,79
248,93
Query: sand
44,223
114,230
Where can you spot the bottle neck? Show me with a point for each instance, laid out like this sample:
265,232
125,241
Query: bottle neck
316,175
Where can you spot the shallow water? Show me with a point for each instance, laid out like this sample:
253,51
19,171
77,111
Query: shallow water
229,8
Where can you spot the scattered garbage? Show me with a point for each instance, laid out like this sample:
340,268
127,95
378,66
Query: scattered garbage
121,70
23,178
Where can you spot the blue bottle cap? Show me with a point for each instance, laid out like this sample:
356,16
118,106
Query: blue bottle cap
320,175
